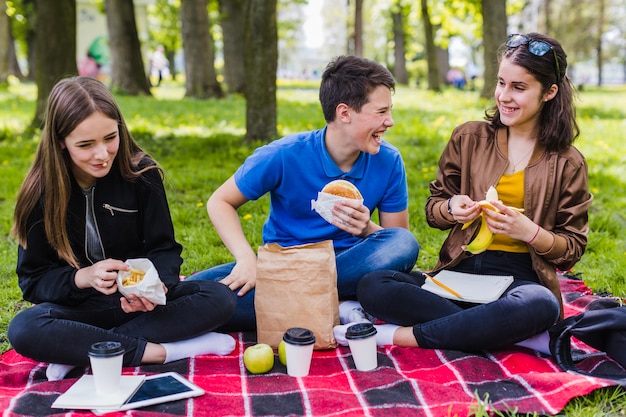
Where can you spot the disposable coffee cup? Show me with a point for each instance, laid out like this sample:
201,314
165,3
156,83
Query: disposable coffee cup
362,341
298,350
106,366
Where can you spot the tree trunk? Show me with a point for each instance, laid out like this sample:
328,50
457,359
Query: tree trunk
128,74
231,19
547,7
14,65
5,40
494,34
30,7
358,28
261,62
599,54
201,79
431,51
400,72
55,48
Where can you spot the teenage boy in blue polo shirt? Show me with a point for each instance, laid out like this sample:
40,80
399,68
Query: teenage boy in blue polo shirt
355,95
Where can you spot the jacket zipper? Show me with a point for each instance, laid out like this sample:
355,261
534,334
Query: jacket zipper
113,209
95,223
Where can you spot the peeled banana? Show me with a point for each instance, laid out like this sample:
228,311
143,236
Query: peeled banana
484,237
482,240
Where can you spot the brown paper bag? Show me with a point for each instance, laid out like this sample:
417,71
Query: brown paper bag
297,287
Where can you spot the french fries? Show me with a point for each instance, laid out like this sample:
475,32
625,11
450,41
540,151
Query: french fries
134,278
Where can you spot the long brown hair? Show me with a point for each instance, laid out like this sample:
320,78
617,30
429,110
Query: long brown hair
48,181
557,128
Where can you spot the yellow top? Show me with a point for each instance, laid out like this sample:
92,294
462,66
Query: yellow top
511,191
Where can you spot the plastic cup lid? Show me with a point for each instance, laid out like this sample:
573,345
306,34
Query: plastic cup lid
299,336
360,331
108,348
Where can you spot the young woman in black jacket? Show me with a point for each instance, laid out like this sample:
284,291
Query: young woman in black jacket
92,199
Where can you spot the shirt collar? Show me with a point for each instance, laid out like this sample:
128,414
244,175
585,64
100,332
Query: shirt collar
330,167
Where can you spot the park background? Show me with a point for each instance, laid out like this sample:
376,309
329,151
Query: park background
201,134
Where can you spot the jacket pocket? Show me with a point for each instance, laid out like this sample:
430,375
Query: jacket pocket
113,209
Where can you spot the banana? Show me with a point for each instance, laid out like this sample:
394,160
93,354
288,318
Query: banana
484,237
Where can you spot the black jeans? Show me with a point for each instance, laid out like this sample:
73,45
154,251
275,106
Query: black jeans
524,310
56,333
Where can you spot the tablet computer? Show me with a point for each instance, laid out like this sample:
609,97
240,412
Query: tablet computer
160,388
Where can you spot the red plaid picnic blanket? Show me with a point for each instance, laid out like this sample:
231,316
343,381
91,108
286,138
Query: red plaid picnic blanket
407,382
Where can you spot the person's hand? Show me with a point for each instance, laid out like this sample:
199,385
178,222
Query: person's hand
354,216
101,276
133,303
242,277
463,208
509,222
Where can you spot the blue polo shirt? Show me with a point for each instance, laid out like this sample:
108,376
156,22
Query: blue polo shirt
295,168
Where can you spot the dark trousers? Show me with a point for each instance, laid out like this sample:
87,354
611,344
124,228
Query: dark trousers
54,333
524,310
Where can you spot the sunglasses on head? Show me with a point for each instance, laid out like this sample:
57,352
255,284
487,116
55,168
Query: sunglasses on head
536,47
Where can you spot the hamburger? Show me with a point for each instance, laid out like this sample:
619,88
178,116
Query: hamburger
342,188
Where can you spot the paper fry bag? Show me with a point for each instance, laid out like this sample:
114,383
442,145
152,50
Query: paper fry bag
142,280
297,287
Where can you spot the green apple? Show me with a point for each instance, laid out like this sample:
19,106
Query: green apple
259,358
282,354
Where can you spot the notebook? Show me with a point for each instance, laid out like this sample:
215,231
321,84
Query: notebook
82,395
473,288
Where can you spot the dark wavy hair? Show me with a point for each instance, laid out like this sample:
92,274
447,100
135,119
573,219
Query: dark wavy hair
557,127
350,79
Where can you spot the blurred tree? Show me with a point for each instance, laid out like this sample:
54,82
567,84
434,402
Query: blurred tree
201,78
588,32
164,27
494,34
128,74
398,12
231,21
22,16
5,40
434,77
357,34
14,65
261,61
55,48
599,32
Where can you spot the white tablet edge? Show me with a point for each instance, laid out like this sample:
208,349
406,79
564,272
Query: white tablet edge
195,391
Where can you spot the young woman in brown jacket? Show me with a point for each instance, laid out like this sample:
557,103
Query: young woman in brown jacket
524,149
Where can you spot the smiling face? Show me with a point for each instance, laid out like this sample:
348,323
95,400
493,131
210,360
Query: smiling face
92,147
520,96
370,124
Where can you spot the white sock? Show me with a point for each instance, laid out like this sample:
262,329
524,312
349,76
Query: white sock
57,371
539,342
209,343
351,311
384,333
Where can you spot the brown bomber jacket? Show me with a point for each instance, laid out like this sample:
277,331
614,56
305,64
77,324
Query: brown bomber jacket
556,196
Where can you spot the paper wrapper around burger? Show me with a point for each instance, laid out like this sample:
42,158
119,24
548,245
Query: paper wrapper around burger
150,287
325,203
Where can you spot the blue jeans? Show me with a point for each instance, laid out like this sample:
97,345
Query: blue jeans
54,333
524,310
395,249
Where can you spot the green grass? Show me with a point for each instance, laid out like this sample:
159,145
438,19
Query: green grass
199,143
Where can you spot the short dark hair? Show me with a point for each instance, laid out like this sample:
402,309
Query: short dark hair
350,79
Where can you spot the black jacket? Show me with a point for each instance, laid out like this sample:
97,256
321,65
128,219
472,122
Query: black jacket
133,220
